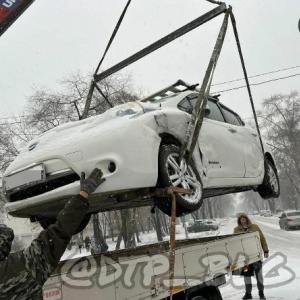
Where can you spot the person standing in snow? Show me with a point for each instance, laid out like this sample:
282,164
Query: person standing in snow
87,242
80,243
245,225
24,273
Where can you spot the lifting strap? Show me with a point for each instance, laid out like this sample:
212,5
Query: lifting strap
233,22
198,114
93,84
113,35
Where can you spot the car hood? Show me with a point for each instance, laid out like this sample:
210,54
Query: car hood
62,140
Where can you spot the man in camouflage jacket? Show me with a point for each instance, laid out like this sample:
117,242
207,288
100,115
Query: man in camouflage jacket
22,274
245,225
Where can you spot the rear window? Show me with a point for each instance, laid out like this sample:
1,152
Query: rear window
293,214
231,117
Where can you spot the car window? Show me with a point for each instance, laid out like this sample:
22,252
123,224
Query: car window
215,112
188,103
293,214
231,117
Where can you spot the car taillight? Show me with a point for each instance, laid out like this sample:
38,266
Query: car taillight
289,220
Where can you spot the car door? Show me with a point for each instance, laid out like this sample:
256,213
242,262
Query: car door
250,144
220,144
252,151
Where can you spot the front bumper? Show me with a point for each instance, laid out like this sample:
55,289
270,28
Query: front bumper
133,150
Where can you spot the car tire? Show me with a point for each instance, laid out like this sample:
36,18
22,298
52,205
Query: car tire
45,223
173,173
270,187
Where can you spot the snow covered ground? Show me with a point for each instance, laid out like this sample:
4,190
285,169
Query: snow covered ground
281,270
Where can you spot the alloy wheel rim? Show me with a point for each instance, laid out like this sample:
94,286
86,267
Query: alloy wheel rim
182,175
273,179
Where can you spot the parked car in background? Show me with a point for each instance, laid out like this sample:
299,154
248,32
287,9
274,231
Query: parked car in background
210,222
290,220
201,225
268,213
137,146
255,213
262,212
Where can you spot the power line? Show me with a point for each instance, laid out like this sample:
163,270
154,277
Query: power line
259,83
257,75
236,88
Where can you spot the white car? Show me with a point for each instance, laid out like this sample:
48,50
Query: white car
268,213
289,219
137,145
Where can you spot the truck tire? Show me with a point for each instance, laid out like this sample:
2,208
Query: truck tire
183,175
270,187
207,293
45,223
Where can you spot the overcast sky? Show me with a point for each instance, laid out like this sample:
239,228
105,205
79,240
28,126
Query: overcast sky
50,41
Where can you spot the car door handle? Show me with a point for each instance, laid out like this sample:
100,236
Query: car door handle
232,130
254,134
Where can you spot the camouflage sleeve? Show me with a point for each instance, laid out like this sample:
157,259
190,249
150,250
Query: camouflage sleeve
44,253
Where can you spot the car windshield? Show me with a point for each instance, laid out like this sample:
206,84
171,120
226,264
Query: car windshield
126,109
292,214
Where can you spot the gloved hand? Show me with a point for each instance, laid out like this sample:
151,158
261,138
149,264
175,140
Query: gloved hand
90,184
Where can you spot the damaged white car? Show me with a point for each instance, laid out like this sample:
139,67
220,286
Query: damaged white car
137,145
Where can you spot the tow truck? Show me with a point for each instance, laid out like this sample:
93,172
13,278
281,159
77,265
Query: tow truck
190,269
143,272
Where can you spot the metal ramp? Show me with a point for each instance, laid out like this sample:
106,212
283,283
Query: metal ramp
178,87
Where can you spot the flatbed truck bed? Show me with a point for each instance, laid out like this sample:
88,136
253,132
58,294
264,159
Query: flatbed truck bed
143,272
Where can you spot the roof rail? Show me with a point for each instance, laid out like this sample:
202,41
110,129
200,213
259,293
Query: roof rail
178,87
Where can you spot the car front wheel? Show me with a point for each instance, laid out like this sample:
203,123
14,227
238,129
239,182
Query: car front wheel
270,187
173,172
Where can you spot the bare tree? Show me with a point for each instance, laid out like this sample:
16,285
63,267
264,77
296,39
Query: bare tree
47,109
127,231
280,121
155,218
